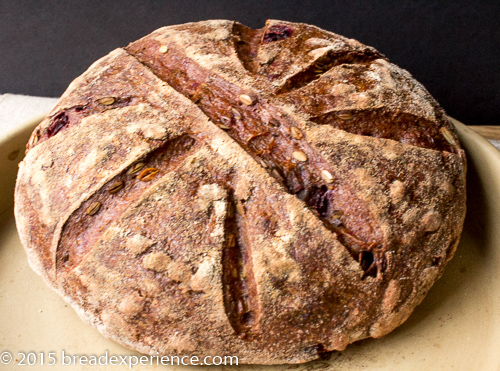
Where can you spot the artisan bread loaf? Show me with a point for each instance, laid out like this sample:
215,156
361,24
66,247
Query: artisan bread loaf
270,194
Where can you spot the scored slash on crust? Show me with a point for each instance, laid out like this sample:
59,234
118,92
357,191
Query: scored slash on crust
168,155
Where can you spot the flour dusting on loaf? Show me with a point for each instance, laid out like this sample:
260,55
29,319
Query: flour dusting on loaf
270,194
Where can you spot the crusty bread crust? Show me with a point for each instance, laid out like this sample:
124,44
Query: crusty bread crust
271,194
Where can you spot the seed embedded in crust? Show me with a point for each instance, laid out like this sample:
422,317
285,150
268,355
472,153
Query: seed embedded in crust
345,116
147,174
34,139
336,214
336,217
248,99
448,136
243,306
236,113
107,101
240,308
299,156
243,271
163,49
116,187
275,173
273,123
296,133
239,209
246,307
326,176
94,208
136,168
224,127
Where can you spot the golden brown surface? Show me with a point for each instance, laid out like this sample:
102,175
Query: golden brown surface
202,192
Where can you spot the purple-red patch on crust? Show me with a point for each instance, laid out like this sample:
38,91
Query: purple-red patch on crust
276,33
58,122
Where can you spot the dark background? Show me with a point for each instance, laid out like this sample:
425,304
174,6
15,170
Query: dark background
452,47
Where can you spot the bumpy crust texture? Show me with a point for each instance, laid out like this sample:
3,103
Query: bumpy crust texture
271,194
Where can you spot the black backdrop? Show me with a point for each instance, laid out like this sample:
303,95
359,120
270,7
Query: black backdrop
452,47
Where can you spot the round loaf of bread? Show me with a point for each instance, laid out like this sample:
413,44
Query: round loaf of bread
270,194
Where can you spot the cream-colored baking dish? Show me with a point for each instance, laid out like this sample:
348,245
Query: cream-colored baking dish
456,327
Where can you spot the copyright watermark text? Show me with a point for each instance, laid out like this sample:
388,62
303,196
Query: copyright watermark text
107,359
